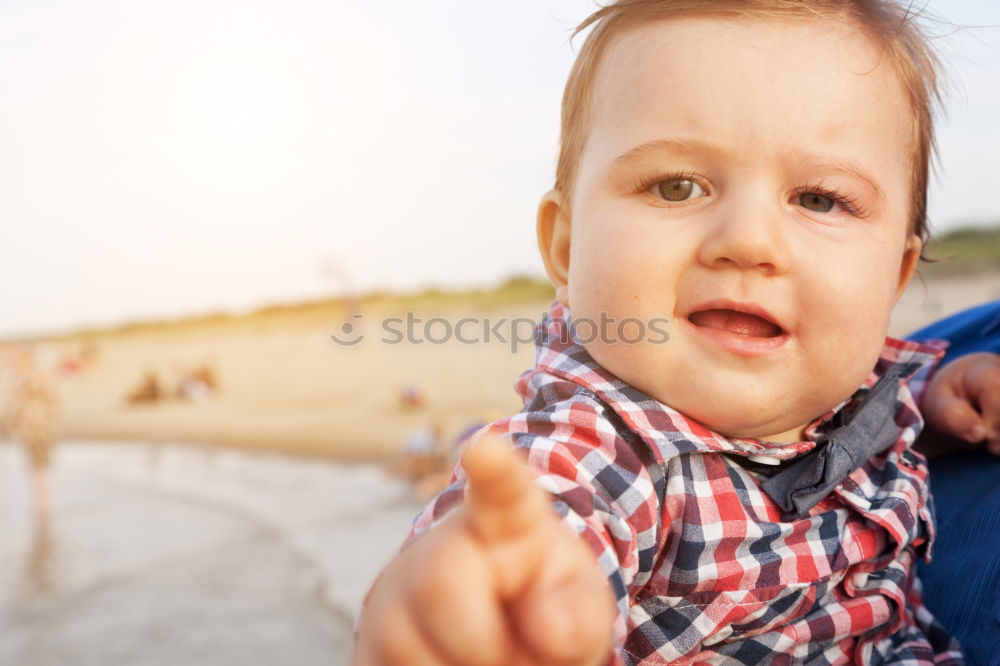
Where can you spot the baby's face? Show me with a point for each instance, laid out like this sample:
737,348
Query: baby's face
750,181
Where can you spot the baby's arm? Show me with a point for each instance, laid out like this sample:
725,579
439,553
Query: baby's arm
500,581
963,402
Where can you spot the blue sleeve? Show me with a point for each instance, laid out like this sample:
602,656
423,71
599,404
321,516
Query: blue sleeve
973,330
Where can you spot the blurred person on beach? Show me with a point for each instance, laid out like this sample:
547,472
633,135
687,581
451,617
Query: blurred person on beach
198,384
32,419
424,460
147,391
428,456
745,489
411,396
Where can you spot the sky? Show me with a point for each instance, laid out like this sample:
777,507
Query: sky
160,158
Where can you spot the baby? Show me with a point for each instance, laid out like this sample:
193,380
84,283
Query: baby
743,489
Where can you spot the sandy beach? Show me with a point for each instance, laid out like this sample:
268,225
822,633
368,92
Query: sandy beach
172,554
286,385
290,387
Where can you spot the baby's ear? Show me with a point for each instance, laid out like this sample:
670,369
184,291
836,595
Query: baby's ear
553,230
908,266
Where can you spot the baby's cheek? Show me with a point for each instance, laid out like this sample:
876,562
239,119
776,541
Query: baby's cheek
838,365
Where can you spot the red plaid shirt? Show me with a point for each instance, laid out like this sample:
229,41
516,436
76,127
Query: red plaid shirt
705,566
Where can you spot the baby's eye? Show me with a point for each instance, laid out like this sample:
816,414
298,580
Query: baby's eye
678,189
817,202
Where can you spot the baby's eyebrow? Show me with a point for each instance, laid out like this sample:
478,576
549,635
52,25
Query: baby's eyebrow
846,168
669,145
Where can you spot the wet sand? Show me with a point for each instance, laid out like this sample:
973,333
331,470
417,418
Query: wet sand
174,555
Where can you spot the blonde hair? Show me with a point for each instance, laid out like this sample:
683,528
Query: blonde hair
888,24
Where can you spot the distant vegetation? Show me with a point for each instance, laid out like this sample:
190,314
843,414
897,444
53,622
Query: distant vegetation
967,250
515,289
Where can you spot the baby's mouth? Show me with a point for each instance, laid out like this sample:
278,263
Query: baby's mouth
734,321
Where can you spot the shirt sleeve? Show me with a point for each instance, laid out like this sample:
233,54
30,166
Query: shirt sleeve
601,483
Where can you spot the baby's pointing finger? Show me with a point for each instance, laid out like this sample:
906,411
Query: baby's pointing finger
454,604
502,499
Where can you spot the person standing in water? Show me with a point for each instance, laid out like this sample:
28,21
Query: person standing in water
32,419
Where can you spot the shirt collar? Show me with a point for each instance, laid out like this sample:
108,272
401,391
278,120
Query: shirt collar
665,429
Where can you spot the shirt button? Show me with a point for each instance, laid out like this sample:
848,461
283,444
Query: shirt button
719,636
859,579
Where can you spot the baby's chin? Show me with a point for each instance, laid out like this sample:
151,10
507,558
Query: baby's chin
764,434
764,418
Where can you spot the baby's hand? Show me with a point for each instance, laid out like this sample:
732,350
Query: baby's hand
963,400
501,581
